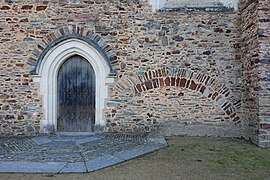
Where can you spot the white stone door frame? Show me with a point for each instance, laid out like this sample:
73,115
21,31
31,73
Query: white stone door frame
47,73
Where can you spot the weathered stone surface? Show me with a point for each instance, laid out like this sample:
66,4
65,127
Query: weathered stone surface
255,50
182,67
32,167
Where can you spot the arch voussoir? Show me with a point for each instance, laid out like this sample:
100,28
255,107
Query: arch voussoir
187,79
68,32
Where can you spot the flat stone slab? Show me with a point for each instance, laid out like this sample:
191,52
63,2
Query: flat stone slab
78,167
32,167
77,154
89,139
137,151
102,162
41,140
74,133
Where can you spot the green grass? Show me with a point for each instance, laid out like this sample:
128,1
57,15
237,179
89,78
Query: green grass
223,155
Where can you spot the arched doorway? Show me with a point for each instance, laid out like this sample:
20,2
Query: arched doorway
76,96
47,76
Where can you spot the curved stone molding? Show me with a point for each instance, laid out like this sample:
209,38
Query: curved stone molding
183,78
47,79
69,32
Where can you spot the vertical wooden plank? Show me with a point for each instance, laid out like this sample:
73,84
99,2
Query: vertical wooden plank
76,95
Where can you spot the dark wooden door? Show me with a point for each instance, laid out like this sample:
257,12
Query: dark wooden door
76,96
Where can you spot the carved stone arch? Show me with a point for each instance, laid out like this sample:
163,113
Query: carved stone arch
72,32
55,49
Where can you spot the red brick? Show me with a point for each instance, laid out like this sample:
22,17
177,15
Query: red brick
138,87
83,16
161,82
193,85
167,81
41,8
173,81
236,119
148,85
27,7
183,82
5,8
265,126
177,81
61,30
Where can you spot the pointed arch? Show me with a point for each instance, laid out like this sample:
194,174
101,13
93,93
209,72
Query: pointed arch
72,32
46,68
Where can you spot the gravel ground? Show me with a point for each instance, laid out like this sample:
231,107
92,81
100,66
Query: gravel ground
185,158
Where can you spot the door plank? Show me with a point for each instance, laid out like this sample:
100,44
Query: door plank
76,96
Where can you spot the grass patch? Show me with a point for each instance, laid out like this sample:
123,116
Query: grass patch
224,156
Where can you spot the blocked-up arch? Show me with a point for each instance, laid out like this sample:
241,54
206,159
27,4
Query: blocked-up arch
184,79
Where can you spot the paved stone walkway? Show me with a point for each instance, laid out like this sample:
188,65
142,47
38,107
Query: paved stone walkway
66,153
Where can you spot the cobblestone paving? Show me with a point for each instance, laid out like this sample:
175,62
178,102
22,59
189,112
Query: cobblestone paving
64,148
15,144
128,137
72,153
106,146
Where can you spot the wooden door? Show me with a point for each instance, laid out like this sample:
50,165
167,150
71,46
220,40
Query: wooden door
76,96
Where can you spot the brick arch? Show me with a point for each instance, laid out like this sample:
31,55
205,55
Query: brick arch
183,78
69,32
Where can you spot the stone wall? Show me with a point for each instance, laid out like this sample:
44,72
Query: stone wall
205,44
255,27
20,104
177,72
250,71
264,71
